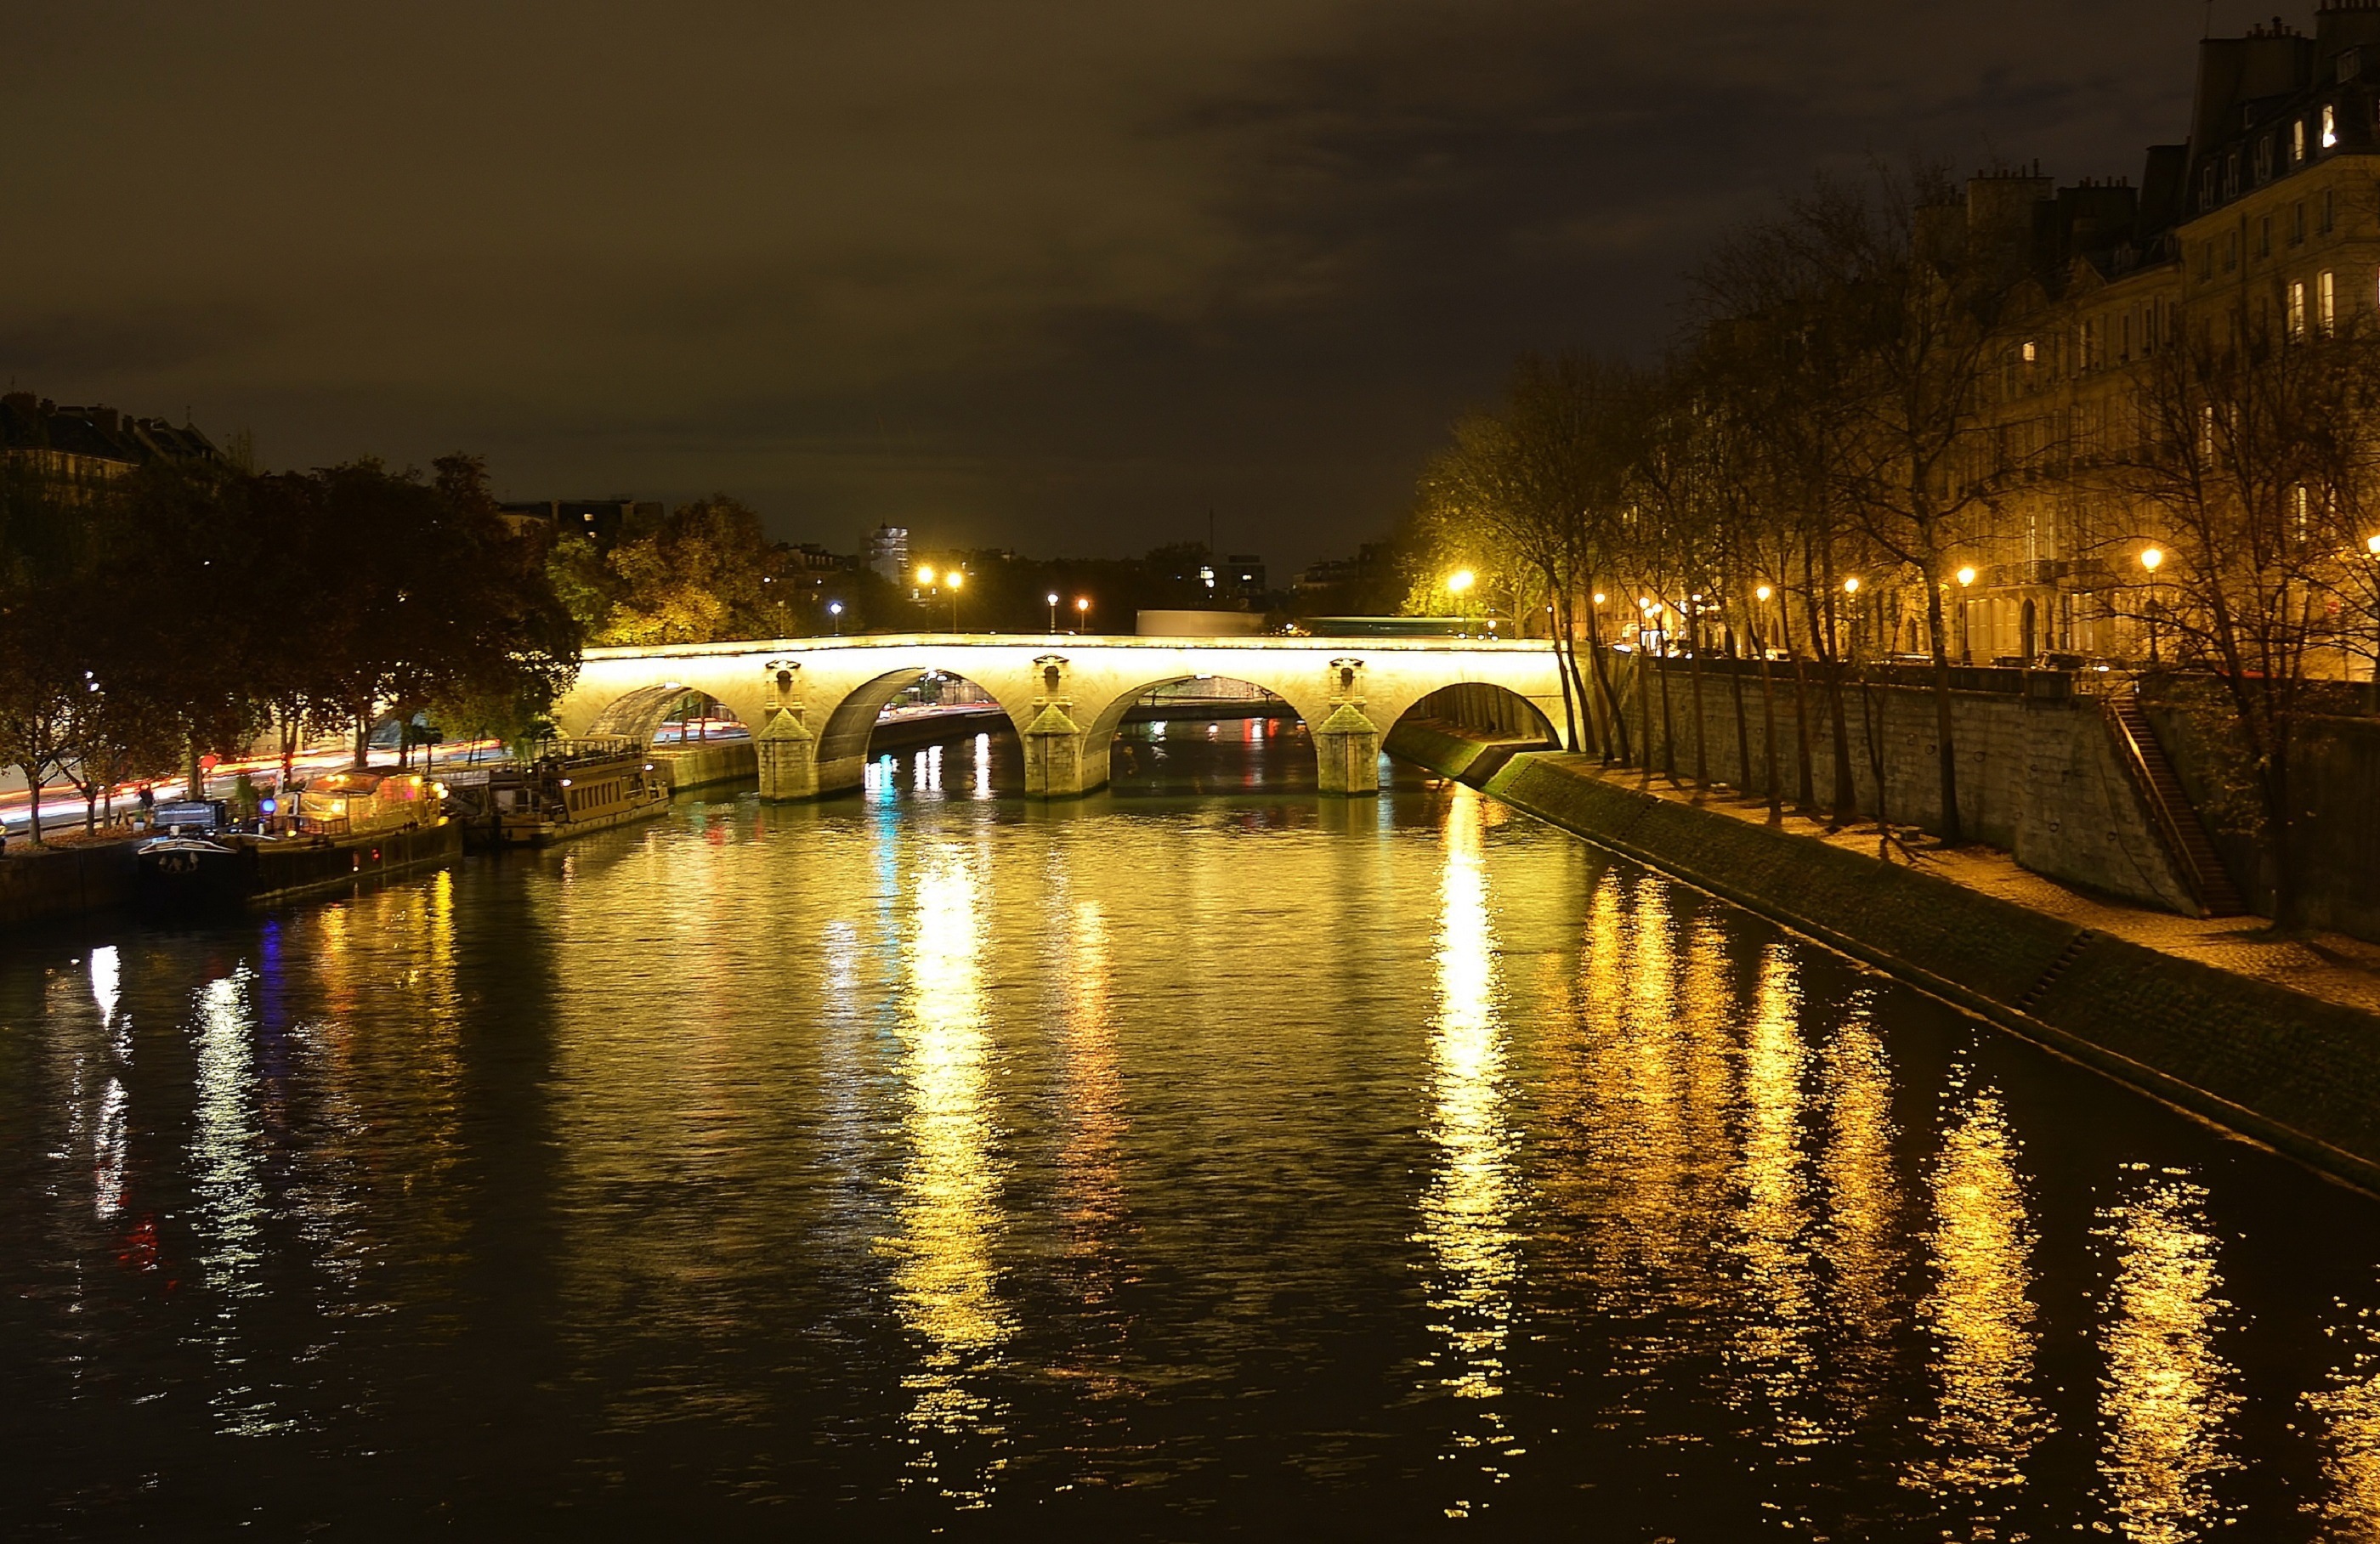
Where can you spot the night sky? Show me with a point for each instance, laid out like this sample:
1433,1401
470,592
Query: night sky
1062,275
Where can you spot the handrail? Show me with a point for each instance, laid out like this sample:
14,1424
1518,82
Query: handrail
2136,763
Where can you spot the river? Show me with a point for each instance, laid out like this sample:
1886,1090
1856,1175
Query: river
1202,1157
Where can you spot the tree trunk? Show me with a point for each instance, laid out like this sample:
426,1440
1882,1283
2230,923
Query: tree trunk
1953,830
1615,720
1694,665
1668,730
1742,729
1644,702
33,800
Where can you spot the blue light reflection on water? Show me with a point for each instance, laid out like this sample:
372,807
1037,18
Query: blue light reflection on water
1202,1155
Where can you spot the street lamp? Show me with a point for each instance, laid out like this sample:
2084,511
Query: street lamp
1966,635
1459,582
954,580
2150,558
1053,611
1082,613
834,610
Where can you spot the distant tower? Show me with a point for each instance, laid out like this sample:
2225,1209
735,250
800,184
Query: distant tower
888,551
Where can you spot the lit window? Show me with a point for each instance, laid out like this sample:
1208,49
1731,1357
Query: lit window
2296,141
2297,308
2326,300
2030,353
2329,127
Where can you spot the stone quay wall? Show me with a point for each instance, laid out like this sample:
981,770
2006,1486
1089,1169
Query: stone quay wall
2292,1071
41,885
2038,770
2336,765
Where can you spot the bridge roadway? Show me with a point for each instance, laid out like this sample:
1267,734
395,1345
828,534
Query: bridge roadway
812,702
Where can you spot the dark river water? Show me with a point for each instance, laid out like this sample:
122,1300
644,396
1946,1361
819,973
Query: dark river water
1200,1158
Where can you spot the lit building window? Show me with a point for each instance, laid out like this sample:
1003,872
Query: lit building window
2329,127
2326,300
2296,141
2297,308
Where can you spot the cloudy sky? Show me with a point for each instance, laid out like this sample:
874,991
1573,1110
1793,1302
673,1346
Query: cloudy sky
1057,274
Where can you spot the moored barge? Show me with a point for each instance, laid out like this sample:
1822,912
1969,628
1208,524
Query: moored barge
339,830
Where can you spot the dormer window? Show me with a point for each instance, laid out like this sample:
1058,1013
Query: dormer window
2330,129
2297,143
2264,158
2231,175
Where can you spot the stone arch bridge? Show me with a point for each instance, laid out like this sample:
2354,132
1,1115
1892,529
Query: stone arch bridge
812,702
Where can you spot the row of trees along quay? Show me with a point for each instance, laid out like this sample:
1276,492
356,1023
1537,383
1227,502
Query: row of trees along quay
176,611
1851,427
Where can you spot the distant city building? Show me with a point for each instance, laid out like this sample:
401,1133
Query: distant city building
599,520
888,551
1244,577
1370,562
87,446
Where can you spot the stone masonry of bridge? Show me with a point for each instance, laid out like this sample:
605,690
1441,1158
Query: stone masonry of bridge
812,702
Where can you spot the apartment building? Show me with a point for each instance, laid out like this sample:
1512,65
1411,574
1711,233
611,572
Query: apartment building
2265,224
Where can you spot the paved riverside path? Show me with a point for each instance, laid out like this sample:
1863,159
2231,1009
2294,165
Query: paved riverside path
2329,966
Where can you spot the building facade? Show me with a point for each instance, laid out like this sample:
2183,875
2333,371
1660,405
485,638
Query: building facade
2265,225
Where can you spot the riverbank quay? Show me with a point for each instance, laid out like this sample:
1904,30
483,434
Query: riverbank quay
2276,1039
43,884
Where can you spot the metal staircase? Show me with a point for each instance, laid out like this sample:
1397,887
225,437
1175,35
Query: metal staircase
2176,818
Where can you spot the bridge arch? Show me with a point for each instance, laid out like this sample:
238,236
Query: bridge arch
638,715
842,737
1101,733
1485,709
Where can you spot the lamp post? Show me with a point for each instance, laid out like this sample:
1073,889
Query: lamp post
1082,614
1053,612
1851,588
834,610
2150,558
1459,584
1759,622
955,580
1966,635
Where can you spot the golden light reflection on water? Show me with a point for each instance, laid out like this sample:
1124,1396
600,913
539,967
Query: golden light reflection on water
1090,1173
947,1216
1775,1340
2165,1398
2347,1424
1862,1242
1467,1210
1980,1316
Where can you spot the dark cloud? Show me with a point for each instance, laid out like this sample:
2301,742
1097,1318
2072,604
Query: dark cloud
1057,274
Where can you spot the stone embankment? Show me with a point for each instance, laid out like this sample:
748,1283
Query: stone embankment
39,885
2298,1069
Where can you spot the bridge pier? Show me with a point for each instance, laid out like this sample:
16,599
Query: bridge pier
1347,744
785,748
1059,762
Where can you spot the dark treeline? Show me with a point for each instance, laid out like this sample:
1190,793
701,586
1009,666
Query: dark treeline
1875,402
178,611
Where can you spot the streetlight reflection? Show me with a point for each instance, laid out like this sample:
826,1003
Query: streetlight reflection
1466,1212
948,1212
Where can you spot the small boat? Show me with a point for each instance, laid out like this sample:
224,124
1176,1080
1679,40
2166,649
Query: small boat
569,789
338,830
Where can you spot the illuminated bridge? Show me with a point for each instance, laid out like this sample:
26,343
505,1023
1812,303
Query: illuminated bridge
814,701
